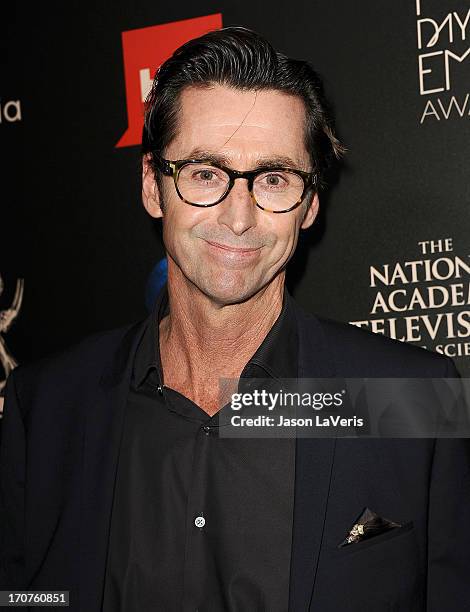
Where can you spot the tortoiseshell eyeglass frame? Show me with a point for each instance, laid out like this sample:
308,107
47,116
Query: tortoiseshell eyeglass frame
173,169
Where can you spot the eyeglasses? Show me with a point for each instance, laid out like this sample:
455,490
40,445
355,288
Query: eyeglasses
204,183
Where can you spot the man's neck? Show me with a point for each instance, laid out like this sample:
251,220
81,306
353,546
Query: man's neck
202,341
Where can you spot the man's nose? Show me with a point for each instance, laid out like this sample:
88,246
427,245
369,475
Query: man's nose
237,210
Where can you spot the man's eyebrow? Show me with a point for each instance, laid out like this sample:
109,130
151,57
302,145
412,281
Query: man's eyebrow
266,161
273,161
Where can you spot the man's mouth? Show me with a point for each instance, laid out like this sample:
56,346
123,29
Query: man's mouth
232,249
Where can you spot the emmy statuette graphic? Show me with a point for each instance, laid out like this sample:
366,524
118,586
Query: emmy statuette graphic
7,317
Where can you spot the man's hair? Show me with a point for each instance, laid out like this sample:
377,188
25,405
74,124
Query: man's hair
242,59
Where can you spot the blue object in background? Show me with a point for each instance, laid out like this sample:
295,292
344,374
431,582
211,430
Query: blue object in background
156,280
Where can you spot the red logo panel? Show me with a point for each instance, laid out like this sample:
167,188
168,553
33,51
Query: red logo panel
145,49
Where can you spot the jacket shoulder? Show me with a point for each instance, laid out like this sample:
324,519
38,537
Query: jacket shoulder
74,367
363,353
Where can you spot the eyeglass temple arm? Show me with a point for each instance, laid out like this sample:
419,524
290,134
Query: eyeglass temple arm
166,166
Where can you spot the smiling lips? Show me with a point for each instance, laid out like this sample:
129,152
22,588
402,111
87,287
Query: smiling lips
234,250
233,257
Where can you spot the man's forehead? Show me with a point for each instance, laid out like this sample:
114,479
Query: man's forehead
233,124
241,100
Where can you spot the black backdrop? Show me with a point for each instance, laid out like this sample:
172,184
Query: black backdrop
72,223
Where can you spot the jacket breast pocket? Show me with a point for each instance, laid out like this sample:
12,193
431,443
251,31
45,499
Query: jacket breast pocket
383,538
382,573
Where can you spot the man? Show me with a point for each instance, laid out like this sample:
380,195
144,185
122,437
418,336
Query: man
116,483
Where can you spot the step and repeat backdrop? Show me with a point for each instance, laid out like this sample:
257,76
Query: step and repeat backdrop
390,252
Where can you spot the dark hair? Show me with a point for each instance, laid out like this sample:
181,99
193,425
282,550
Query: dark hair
239,58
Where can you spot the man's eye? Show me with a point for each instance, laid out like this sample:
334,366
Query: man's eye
206,175
274,180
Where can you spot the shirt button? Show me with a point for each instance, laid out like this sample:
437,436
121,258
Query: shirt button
200,521
206,429
159,390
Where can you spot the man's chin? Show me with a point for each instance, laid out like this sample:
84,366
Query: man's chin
226,292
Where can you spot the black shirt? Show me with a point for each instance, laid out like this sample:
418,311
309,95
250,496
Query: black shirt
200,522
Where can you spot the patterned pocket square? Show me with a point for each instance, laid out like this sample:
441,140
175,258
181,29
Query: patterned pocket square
368,525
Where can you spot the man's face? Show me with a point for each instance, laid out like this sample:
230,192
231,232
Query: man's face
232,250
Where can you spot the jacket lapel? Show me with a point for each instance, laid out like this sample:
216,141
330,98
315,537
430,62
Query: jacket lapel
314,465
103,430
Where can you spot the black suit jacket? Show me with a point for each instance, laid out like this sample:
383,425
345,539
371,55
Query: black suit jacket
61,431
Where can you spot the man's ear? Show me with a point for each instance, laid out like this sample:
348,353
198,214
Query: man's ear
311,212
150,192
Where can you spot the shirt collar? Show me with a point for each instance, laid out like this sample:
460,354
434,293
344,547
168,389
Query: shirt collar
276,357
